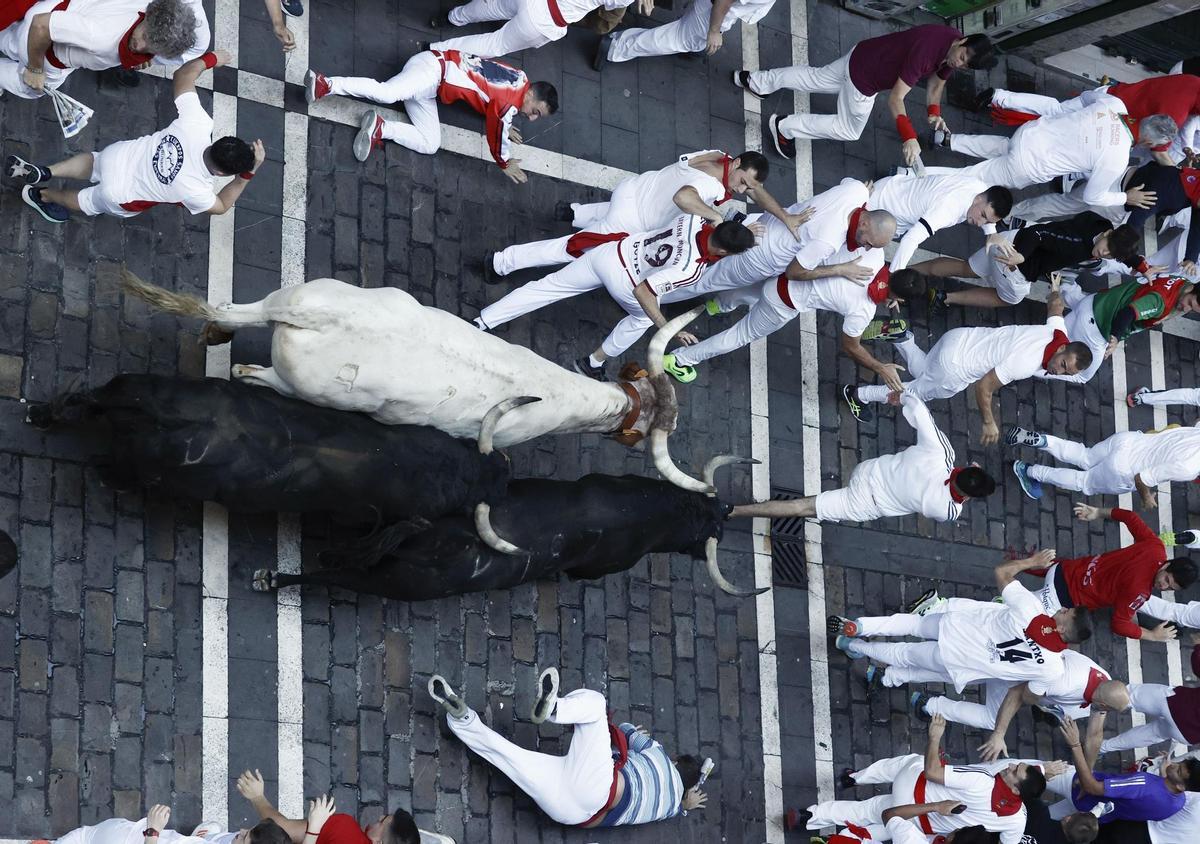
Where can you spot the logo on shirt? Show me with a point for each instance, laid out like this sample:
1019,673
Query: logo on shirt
168,159
1090,571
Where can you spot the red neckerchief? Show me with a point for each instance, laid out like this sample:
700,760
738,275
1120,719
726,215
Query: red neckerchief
725,162
1004,801
955,495
880,288
862,832
702,238
855,216
1059,340
130,59
1044,631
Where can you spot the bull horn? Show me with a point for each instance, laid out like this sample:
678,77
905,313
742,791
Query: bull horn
483,527
711,467
714,571
658,344
666,466
487,428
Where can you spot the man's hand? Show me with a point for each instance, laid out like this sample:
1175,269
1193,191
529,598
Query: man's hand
35,79
949,807
1110,347
223,57
319,811
715,40
1053,769
937,728
936,122
1188,268
1150,499
793,223
250,785
687,338
514,135
1164,632
855,271
260,155
911,150
993,748
889,373
1139,198
1070,732
694,799
1007,254
158,817
515,173
285,37
1154,272
989,434
1088,513
757,229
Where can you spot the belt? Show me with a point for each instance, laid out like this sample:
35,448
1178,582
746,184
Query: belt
556,14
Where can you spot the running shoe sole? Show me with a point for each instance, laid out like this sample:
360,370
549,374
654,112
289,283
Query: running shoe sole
773,127
737,81
547,695
365,139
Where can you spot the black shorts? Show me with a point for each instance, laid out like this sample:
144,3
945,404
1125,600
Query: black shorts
1124,832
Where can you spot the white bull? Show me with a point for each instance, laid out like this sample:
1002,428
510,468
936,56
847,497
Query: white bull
381,352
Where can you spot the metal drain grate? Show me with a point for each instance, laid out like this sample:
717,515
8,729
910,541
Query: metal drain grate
789,566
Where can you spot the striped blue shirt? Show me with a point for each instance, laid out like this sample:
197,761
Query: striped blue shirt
653,788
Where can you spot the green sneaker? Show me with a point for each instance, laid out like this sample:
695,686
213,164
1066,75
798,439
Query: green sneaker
1168,538
891,330
711,307
682,374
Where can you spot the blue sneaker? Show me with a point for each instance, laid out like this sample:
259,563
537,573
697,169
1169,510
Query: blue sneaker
917,701
1029,486
51,212
292,8
843,644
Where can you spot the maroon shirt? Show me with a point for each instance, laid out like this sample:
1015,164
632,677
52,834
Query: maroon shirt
878,63
1184,704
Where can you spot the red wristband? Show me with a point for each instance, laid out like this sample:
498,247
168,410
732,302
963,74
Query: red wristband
933,110
209,59
905,128
247,175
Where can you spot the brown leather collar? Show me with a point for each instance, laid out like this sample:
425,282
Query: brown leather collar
627,435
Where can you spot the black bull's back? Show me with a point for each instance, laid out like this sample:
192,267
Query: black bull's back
253,450
597,525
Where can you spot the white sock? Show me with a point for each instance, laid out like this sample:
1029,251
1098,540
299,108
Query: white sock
595,364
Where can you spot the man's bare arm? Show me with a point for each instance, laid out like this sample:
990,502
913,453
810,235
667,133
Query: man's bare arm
995,745
985,388
250,785
36,45
1007,572
688,199
935,771
889,373
649,302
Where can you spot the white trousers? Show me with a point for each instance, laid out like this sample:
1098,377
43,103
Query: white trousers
119,831
599,267
1048,106
900,771
1150,699
14,55
1010,284
1059,206
907,662
1184,395
529,26
1096,474
979,715
1003,164
854,502
768,313
416,85
936,371
853,106
686,34
571,788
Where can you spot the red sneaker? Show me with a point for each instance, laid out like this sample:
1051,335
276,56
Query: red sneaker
316,86
370,135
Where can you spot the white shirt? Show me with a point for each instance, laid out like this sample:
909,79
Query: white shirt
750,11
575,10
1185,615
1094,140
841,295
1015,352
828,230
166,167
667,259
923,206
973,786
1079,678
989,642
655,191
914,480
1183,827
88,33
1172,455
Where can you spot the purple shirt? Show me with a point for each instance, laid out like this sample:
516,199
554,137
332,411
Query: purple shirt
878,63
1137,797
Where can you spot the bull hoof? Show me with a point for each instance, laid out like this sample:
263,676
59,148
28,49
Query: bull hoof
214,335
264,580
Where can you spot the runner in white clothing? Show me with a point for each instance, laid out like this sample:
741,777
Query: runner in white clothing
701,27
696,183
1126,461
1014,641
122,831
174,166
636,270
1180,395
1182,614
530,23
920,479
51,40
989,358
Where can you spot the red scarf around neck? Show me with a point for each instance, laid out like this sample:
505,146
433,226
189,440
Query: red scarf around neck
1044,631
855,216
955,495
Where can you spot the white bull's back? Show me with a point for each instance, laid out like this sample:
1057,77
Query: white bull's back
382,352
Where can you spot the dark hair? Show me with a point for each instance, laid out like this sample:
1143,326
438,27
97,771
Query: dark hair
1124,243
756,161
1034,783
689,770
268,832
1181,568
1000,199
547,93
975,835
402,829
981,52
1081,353
907,284
732,237
975,482
232,155
1080,626
1193,774
8,554
1081,828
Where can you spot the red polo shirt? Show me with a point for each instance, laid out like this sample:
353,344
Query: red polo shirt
342,829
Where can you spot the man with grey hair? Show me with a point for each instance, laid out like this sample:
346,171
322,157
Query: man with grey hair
39,50
1094,142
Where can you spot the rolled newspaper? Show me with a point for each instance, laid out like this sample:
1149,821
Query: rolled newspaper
72,114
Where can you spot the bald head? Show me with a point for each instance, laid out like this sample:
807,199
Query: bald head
875,229
1111,695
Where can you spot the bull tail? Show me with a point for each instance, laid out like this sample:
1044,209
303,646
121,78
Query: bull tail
159,298
365,552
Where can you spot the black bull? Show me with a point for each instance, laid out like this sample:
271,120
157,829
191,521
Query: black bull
255,451
597,525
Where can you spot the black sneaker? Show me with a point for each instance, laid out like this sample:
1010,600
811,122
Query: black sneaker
983,100
292,8
917,701
563,212
601,58
741,78
584,367
935,298
490,276
845,780
19,170
51,212
784,146
858,410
